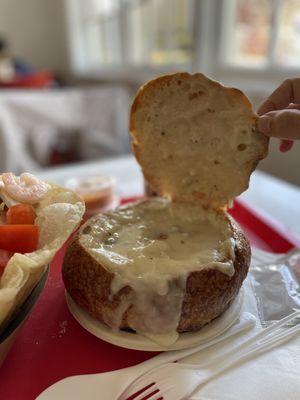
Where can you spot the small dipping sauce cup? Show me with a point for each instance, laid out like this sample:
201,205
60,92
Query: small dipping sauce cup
97,191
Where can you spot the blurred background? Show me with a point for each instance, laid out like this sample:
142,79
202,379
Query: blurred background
69,69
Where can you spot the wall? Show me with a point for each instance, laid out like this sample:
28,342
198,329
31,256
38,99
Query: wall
36,31
283,165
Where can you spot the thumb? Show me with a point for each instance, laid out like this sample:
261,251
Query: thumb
284,124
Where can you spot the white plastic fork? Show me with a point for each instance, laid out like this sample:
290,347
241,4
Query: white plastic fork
111,384
176,381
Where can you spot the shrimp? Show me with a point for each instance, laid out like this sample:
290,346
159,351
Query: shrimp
25,189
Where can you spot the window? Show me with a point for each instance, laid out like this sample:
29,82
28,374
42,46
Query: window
248,27
262,33
226,39
116,34
101,31
160,32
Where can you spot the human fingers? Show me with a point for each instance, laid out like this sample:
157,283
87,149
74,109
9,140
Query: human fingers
293,106
286,145
284,124
288,92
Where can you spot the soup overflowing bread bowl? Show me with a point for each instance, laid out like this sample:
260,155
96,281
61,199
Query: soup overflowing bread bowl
173,263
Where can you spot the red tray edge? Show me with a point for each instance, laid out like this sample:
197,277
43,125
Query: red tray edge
270,223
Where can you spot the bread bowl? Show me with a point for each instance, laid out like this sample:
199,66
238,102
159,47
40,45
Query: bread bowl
172,264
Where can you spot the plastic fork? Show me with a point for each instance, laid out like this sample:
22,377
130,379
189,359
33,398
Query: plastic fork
176,381
110,384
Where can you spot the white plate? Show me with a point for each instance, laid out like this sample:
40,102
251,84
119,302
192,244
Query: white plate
138,342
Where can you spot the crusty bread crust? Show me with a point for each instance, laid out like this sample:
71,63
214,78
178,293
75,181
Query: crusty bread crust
195,139
209,292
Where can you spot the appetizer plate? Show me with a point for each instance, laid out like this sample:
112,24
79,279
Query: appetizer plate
131,340
9,334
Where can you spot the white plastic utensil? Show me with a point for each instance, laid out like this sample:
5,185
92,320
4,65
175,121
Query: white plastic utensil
109,385
177,381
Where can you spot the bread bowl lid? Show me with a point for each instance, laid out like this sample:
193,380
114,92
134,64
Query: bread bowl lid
196,140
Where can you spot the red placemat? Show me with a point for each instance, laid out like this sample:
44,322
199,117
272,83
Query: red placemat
52,345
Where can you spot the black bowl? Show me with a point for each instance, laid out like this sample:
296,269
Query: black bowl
20,316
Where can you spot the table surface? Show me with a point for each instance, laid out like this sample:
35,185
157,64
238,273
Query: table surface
275,197
271,195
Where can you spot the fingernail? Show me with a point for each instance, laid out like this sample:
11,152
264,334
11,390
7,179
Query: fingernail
286,145
264,124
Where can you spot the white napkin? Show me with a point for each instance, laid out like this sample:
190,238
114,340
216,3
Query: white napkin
274,375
